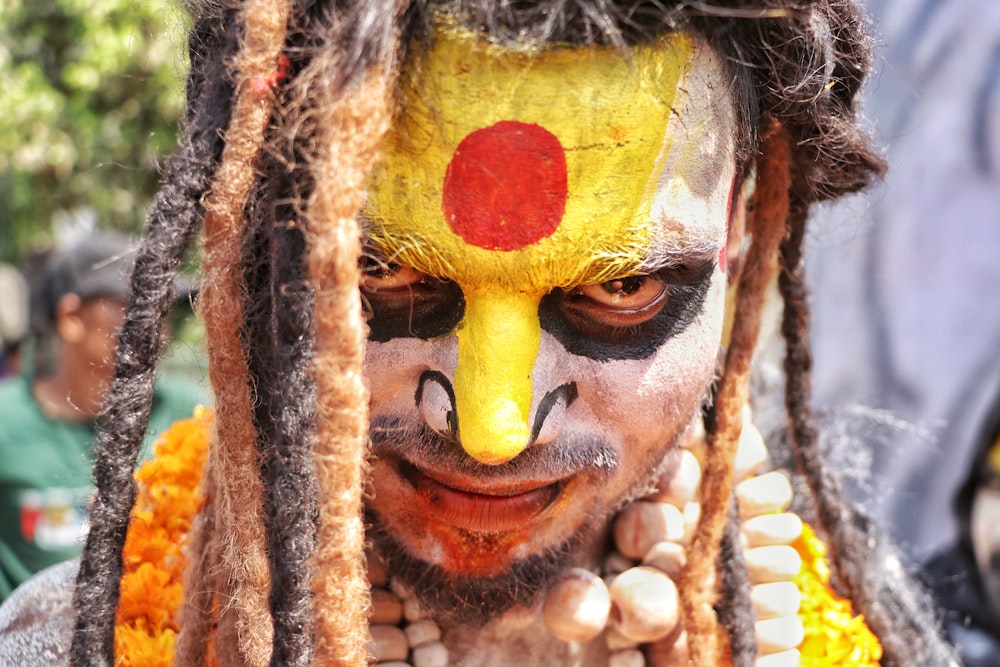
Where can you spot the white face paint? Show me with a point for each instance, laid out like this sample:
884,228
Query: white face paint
621,362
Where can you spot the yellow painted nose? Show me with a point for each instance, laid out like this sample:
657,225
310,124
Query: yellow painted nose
498,343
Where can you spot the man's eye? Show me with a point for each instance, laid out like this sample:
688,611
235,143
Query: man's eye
405,303
377,275
629,317
628,300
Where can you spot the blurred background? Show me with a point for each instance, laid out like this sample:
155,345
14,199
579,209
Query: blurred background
89,110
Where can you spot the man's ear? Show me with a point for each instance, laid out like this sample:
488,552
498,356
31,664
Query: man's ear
69,320
737,230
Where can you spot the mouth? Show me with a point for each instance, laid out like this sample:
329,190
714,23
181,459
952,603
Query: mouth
478,508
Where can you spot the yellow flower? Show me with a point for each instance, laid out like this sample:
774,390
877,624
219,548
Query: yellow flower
168,499
146,626
834,635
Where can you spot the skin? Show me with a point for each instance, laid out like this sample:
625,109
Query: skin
88,334
524,389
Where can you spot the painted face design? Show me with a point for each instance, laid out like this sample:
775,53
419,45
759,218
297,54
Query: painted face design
545,231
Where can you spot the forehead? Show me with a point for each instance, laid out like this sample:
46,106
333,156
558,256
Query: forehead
554,167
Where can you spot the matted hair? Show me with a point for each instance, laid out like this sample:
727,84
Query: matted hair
287,105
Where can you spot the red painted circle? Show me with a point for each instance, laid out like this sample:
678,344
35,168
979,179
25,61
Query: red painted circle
505,187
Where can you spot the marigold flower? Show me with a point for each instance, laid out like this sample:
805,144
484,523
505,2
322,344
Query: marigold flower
834,635
169,498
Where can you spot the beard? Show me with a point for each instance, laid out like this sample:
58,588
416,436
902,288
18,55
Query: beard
474,600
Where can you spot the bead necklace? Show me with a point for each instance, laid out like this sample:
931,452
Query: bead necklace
576,609
635,580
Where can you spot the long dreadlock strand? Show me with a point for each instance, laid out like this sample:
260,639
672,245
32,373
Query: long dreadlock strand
767,229
868,569
350,119
243,563
735,608
343,418
171,227
291,501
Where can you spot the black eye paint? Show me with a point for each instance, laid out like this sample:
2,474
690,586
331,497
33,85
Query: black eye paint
423,310
688,289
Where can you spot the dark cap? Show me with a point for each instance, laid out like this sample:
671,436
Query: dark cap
97,266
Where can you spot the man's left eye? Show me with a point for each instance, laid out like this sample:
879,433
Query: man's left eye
620,302
627,317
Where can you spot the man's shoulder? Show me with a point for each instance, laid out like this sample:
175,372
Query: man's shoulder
36,621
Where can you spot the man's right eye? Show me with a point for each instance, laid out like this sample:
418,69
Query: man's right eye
402,302
377,275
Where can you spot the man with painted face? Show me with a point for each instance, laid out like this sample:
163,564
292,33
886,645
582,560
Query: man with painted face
493,242
555,279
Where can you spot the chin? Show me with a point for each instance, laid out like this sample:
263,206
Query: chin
478,595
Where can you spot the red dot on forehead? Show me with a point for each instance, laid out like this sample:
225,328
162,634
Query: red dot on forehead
505,187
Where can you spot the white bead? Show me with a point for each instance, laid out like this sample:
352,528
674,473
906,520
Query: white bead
642,524
779,598
645,602
668,557
431,655
770,492
782,659
422,632
576,609
774,563
751,452
388,643
627,658
769,529
778,634
680,481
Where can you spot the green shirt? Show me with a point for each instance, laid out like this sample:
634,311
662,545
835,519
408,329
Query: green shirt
45,477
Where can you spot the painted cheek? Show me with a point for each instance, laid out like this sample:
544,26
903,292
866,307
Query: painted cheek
497,346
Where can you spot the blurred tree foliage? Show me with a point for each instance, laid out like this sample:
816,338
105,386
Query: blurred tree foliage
91,95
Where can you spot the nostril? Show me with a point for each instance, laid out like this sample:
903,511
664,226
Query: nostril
552,412
435,398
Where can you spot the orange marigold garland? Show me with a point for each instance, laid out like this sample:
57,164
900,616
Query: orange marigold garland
169,498
834,635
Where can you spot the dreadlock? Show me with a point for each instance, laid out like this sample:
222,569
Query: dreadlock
302,93
172,224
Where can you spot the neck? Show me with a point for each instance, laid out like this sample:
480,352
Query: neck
69,394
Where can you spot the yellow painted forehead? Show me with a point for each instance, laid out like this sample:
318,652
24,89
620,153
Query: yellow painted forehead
541,169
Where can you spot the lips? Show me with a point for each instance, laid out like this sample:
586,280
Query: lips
496,509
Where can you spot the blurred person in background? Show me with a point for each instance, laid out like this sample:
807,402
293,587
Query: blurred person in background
13,318
48,413
965,576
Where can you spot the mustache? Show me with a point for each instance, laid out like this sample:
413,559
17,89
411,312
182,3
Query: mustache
418,444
